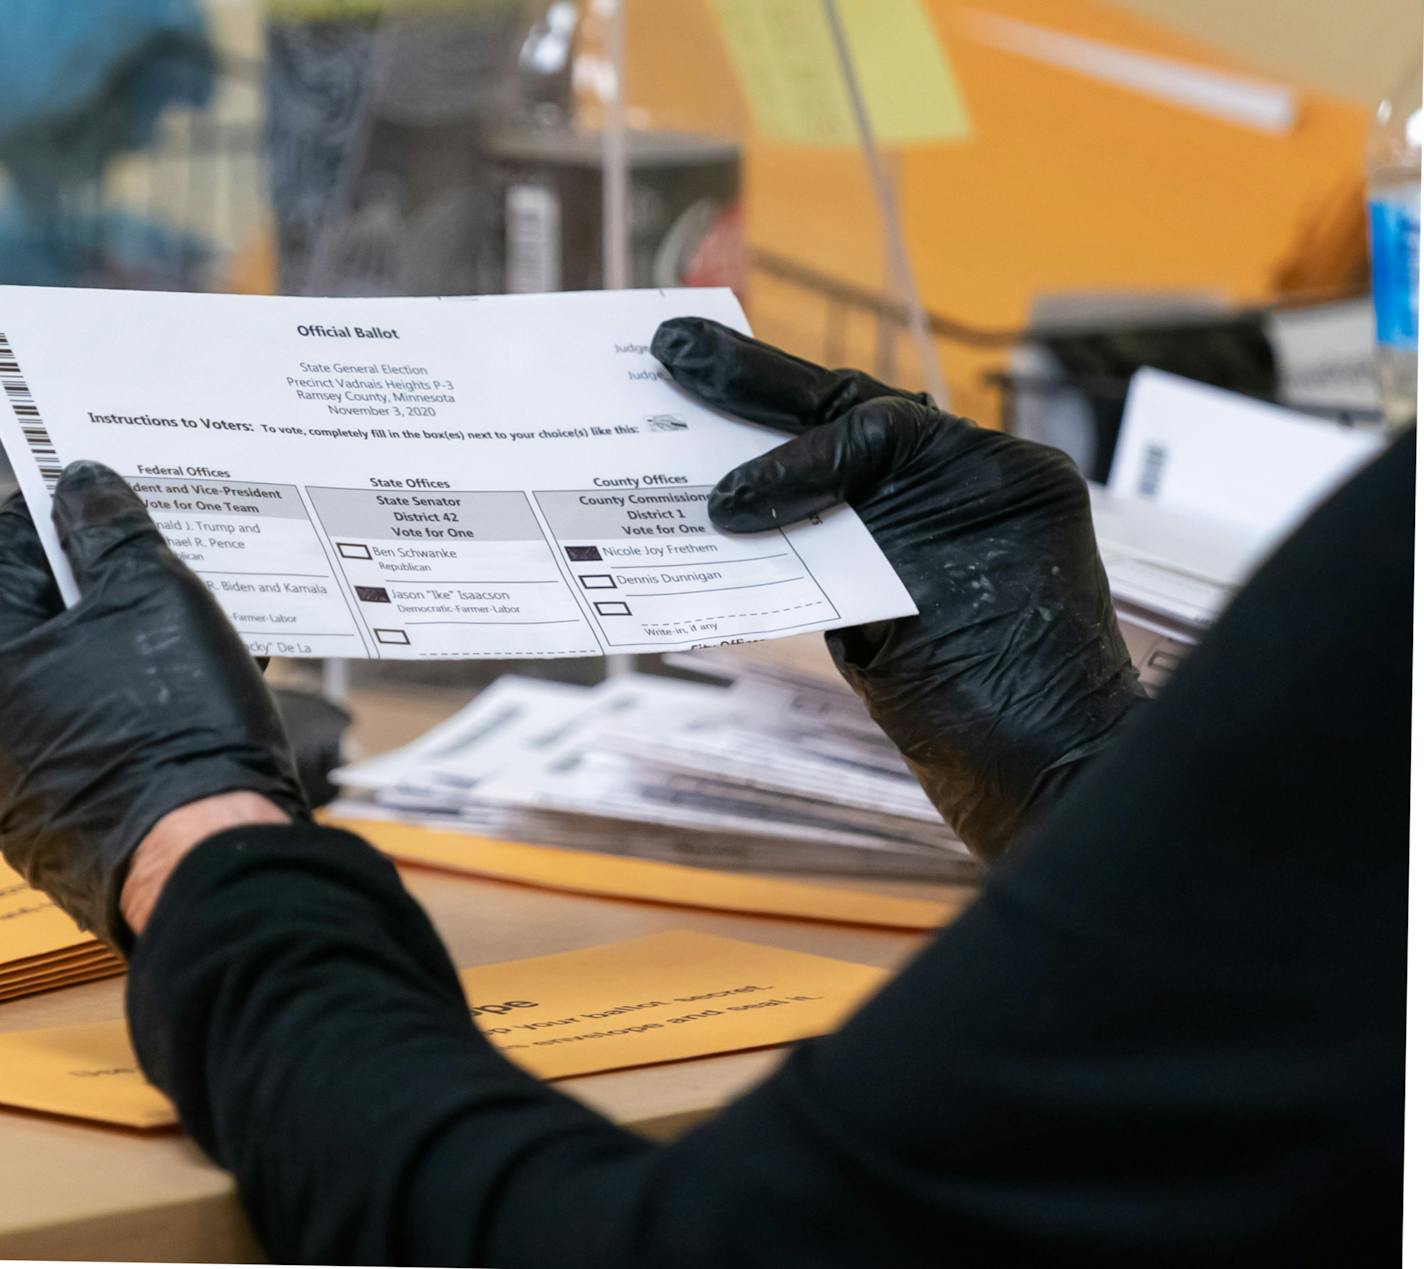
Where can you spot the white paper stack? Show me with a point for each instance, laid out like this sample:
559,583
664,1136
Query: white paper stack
767,770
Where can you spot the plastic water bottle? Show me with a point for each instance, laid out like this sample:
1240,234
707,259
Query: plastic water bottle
1392,166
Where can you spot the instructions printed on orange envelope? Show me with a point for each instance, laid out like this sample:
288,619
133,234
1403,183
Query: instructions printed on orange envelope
660,998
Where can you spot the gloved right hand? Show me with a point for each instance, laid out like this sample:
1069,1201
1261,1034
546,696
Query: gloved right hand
138,700
1014,673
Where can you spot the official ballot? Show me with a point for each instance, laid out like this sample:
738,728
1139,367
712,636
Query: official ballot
507,476
660,998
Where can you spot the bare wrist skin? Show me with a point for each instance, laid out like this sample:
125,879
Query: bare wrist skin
175,835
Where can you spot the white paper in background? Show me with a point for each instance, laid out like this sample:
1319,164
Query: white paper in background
510,476
1242,463
1325,355
642,702
507,737
641,757
504,725
659,751
1174,563
762,761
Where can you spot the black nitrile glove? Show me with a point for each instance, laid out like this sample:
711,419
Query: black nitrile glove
136,701
1014,672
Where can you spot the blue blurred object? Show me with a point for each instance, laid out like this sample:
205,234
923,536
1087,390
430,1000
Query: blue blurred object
108,247
79,84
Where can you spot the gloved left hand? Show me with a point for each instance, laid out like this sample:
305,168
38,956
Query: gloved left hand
1013,675
138,700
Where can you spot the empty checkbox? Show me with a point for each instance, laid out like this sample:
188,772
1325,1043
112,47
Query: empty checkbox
597,581
392,636
612,608
353,551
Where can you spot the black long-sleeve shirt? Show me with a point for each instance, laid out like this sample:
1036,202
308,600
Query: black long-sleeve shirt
1171,1031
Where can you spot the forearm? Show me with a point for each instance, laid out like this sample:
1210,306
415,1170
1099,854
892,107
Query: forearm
177,833
299,1009
1169,1033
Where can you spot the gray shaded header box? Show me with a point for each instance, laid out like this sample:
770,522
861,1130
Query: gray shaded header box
499,516
219,497
602,515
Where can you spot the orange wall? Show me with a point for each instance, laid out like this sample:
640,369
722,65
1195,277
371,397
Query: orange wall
1065,185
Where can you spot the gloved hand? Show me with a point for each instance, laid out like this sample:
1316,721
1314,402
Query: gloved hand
136,701
1014,673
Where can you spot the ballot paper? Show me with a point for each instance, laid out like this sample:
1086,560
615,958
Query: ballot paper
660,998
507,476
1204,485
667,769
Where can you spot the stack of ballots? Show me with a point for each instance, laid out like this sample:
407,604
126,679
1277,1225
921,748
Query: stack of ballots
40,947
765,770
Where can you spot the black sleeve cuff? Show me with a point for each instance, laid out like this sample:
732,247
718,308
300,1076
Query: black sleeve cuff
254,914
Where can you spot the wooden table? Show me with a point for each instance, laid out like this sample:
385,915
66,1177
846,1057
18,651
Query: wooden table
76,1191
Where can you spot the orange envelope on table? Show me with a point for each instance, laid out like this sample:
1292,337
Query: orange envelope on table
41,948
648,880
662,998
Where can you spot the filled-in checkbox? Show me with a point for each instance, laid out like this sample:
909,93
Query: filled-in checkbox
583,554
353,551
597,581
612,608
391,636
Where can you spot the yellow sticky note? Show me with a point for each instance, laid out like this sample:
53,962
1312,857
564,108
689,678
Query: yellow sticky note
785,58
911,92
648,880
786,61
661,998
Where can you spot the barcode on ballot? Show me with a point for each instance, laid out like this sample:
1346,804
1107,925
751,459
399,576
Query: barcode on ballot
1154,467
32,426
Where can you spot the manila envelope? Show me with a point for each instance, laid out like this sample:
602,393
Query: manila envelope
75,958
88,1072
649,880
52,981
30,924
662,998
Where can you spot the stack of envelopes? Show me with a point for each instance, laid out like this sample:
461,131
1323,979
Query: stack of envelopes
773,771
41,948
